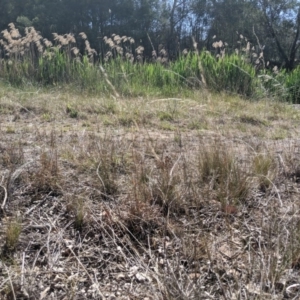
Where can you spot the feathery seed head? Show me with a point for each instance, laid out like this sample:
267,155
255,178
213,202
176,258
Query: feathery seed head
185,52
139,50
11,26
248,47
275,70
139,58
40,48
6,34
83,35
128,56
119,50
70,38
164,60
15,33
47,43
163,52
75,50
117,38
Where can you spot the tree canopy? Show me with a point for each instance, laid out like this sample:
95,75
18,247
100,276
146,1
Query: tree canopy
271,25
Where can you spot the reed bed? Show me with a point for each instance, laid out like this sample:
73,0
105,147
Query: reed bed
123,70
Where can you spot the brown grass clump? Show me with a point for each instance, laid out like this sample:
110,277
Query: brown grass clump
221,174
13,231
46,179
265,167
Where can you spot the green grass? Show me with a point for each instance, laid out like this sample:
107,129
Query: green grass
126,73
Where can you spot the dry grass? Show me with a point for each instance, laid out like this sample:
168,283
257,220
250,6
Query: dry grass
114,207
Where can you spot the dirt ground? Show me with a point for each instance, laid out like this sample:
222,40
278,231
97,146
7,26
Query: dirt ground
91,210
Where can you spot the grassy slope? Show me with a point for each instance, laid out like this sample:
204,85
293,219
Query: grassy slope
175,198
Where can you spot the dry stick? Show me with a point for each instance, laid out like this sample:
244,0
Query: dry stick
37,256
109,83
11,284
104,194
5,197
135,251
103,298
276,190
221,286
150,42
37,205
171,272
113,237
97,171
30,112
208,295
3,283
247,144
5,194
22,276
174,165
292,286
285,169
259,45
22,272
174,99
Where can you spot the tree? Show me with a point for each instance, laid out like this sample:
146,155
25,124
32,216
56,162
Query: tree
281,20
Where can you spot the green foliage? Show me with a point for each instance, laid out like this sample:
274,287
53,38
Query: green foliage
292,83
282,85
187,69
229,73
53,67
162,21
273,84
32,59
72,112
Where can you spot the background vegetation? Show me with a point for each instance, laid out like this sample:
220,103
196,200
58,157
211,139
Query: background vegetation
174,25
138,47
124,70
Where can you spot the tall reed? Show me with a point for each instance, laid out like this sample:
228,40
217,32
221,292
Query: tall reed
122,68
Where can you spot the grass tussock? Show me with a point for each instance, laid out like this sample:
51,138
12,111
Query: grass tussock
220,173
13,231
265,167
46,179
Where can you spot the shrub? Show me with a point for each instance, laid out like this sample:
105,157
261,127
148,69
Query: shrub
273,83
292,83
229,73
